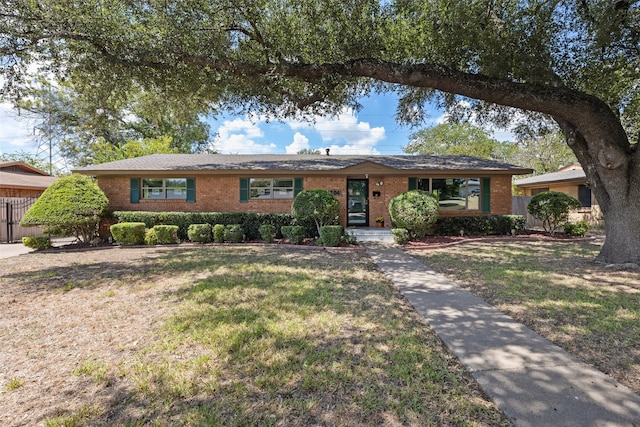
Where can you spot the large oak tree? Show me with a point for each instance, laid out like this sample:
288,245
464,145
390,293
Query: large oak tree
574,61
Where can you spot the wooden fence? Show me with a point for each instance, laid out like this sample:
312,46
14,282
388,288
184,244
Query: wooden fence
519,207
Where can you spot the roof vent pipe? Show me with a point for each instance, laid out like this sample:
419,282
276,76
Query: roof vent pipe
327,150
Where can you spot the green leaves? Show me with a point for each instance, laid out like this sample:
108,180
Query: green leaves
72,206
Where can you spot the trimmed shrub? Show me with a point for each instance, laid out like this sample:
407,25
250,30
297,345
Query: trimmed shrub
414,210
72,206
233,233
218,233
128,233
400,235
199,233
37,243
552,208
479,225
167,234
330,235
250,222
579,228
319,206
150,237
295,233
267,232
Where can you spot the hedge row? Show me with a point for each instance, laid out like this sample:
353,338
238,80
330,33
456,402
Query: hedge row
479,225
250,222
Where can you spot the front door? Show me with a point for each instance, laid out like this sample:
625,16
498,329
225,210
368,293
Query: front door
358,202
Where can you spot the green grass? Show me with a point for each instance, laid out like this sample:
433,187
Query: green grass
272,337
14,384
556,289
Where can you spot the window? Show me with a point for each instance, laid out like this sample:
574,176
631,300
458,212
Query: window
584,195
535,191
454,194
164,188
271,188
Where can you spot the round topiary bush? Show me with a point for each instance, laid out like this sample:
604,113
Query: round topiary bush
319,206
218,233
72,206
552,208
167,234
414,210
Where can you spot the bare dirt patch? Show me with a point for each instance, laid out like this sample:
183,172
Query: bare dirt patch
65,311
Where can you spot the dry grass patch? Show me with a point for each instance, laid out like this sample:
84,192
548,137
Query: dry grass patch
221,336
556,289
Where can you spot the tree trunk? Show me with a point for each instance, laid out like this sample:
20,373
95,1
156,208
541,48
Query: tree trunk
622,242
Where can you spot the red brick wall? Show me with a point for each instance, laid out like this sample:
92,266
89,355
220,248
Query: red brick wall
19,192
222,194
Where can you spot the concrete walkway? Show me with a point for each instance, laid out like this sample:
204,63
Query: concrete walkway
531,380
8,250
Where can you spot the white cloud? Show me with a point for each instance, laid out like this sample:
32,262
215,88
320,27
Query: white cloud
239,136
15,132
300,142
359,137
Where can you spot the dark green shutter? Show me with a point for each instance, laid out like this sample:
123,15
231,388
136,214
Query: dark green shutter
191,190
485,192
413,183
134,190
244,190
297,186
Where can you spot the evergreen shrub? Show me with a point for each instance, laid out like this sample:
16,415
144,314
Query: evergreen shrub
129,233
295,233
38,243
199,233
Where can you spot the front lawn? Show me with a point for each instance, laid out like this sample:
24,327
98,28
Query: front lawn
221,336
556,289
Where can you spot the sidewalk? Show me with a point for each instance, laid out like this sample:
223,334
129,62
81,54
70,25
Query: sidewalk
534,382
8,250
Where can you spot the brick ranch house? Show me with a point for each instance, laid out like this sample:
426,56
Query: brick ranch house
364,185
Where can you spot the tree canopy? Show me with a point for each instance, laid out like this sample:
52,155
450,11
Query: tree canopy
84,122
575,62
454,139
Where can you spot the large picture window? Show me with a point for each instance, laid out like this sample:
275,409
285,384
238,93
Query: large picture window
454,194
271,188
164,188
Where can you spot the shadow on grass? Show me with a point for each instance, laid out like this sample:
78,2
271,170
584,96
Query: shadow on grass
274,337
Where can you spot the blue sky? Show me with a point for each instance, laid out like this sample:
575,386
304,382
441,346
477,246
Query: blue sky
372,130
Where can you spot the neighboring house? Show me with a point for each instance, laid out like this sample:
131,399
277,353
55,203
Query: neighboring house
20,186
570,180
18,179
364,185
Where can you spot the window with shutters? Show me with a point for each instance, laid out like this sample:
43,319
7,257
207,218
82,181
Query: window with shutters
454,194
164,188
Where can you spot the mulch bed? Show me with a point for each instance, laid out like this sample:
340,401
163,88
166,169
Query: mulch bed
437,242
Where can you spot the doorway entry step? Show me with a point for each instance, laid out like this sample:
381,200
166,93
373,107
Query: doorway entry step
371,234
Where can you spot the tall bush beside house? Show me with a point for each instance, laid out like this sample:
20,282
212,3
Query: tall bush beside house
552,208
414,210
72,206
319,206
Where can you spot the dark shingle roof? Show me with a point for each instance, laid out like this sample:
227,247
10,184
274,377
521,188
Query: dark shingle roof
576,174
223,162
